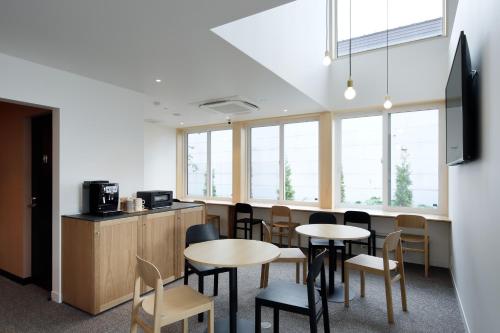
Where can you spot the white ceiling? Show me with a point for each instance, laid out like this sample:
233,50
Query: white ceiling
129,43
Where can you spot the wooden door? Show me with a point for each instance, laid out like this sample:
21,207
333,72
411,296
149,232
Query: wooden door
185,219
115,260
158,242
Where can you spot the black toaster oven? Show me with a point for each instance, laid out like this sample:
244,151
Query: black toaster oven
156,199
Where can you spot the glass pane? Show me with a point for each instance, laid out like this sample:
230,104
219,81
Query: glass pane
197,164
222,163
361,161
264,165
414,159
409,20
301,161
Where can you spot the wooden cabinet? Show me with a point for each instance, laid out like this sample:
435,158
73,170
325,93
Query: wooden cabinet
98,258
157,242
185,219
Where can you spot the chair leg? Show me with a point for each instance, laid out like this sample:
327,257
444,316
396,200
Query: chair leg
304,271
426,259
133,324
246,236
185,325
211,319
388,296
346,286
313,324
262,275
257,317
350,249
297,272
251,230
200,290
374,245
362,282
216,284
309,252
186,273
342,257
262,233
266,281
402,286
276,320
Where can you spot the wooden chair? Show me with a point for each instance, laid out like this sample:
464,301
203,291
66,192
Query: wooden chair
296,298
381,266
166,306
292,255
248,222
210,218
415,222
196,234
285,228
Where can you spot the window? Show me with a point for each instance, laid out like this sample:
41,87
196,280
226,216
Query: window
414,143
209,164
361,161
410,143
284,162
409,20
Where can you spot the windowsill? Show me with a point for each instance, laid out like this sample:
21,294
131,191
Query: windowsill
372,212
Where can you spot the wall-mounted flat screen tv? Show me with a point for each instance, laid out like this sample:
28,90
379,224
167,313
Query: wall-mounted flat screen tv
460,108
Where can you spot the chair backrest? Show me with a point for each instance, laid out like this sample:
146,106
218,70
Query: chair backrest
352,216
201,233
392,243
322,217
266,231
242,208
150,275
316,268
281,211
412,222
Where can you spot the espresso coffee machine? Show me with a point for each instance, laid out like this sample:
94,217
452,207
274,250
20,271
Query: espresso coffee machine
100,197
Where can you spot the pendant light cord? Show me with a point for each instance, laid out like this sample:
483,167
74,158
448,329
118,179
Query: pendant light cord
350,37
387,48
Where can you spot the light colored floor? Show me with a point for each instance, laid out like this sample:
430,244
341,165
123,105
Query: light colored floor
432,304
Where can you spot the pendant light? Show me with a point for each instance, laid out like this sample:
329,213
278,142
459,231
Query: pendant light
350,93
387,102
327,59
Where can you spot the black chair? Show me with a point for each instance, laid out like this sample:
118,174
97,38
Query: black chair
248,222
355,217
291,297
197,234
320,244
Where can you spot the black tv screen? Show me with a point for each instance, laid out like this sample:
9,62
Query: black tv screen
460,113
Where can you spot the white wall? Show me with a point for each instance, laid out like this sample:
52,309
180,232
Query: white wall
159,157
290,41
98,134
474,188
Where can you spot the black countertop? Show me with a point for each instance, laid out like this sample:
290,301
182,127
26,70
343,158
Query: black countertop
95,218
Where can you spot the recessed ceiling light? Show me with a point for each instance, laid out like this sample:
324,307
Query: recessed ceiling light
158,80
182,123
285,110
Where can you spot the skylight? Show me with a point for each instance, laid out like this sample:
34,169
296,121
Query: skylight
409,20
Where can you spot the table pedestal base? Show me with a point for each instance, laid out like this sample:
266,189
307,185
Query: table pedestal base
242,326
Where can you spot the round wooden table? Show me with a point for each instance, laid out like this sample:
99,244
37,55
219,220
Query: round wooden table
333,232
232,253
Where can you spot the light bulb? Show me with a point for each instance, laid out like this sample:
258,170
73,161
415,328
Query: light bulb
327,60
349,93
387,103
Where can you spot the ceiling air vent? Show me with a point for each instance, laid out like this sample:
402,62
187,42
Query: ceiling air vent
229,106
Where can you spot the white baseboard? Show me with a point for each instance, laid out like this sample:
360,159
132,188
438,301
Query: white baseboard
462,313
55,296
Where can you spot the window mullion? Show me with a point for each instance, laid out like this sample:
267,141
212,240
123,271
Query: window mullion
209,165
282,163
